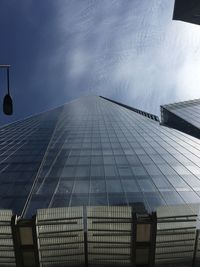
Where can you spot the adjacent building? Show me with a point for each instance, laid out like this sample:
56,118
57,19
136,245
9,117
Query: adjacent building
187,11
183,116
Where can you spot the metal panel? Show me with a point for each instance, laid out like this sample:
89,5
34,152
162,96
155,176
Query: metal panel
7,254
61,236
109,235
176,231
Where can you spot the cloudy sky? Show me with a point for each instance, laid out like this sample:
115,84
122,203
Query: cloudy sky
128,50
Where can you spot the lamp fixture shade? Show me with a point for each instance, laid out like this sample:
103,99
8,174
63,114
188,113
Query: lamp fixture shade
7,105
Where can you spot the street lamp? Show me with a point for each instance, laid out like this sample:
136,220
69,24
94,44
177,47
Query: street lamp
7,101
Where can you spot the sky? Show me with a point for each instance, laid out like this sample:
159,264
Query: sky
128,50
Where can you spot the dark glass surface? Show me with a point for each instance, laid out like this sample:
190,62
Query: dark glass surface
184,116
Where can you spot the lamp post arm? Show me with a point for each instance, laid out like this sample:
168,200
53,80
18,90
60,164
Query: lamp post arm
3,66
8,81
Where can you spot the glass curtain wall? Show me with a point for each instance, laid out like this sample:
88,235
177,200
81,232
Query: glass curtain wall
95,152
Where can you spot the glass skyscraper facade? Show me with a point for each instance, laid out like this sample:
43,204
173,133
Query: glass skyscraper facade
91,152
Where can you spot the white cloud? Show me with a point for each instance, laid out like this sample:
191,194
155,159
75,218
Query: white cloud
130,50
79,63
188,78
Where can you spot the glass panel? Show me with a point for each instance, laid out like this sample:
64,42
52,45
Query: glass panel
97,186
82,171
114,186
146,185
111,171
81,187
65,187
130,185
97,171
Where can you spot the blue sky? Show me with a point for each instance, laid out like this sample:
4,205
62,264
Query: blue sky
128,50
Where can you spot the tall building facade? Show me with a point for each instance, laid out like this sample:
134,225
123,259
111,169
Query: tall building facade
123,189
92,151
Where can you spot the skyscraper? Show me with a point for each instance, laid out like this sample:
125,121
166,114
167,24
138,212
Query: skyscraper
114,165
92,151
